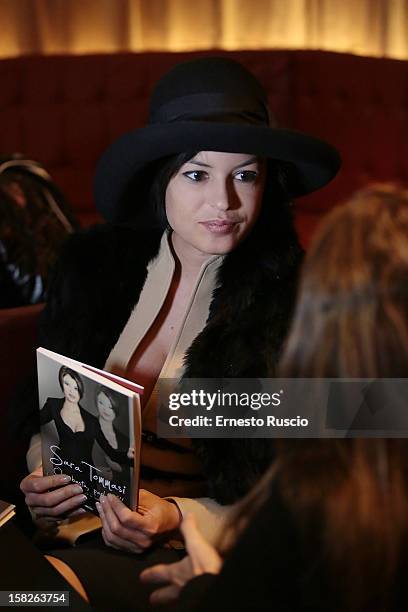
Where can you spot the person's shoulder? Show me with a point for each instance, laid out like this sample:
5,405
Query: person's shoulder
104,233
98,239
107,234
98,247
101,270
54,403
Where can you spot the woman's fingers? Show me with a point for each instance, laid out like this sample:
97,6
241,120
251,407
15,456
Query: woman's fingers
36,483
204,557
125,523
55,497
119,543
65,506
173,576
142,527
125,516
165,595
109,538
113,539
51,496
157,574
77,512
111,520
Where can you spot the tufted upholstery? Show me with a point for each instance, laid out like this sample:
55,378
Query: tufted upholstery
64,110
360,105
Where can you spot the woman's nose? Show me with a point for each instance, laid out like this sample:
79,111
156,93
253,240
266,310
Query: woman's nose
221,196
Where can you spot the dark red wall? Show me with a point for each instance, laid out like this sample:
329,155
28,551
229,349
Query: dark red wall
64,110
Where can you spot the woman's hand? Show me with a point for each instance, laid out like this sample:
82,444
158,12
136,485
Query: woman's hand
51,497
202,558
136,531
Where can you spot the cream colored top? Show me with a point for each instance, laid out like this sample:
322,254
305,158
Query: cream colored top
209,514
160,273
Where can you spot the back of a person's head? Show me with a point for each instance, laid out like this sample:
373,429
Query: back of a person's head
349,497
353,297
351,320
34,222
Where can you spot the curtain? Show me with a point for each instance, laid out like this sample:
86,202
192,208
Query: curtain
366,27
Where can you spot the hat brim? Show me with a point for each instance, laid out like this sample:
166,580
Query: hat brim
315,161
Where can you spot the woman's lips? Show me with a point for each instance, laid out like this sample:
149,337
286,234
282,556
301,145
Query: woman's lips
219,227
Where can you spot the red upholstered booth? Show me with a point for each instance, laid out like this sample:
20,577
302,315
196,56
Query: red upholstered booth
63,111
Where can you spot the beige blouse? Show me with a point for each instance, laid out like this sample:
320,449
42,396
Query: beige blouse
160,273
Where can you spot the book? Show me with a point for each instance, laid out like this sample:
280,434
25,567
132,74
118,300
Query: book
90,428
6,512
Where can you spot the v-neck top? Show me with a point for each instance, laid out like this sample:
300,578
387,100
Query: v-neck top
174,460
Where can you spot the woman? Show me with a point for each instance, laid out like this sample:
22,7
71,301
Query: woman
211,296
327,528
78,430
108,410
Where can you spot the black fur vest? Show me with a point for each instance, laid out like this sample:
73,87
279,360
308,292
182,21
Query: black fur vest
99,280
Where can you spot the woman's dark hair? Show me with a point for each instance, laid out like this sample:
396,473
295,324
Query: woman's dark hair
351,320
165,170
65,371
35,220
111,395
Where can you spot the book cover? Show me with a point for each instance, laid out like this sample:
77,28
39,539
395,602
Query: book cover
90,428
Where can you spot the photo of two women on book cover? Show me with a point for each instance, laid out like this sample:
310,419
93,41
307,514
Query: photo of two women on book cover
86,431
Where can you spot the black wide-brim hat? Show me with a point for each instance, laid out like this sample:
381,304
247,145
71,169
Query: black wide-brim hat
208,104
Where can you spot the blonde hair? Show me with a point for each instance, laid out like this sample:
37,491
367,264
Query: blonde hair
351,320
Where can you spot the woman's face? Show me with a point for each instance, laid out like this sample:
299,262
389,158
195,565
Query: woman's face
214,200
104,406
70,388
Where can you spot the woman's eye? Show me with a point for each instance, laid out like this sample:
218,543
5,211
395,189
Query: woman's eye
246,176
195,175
